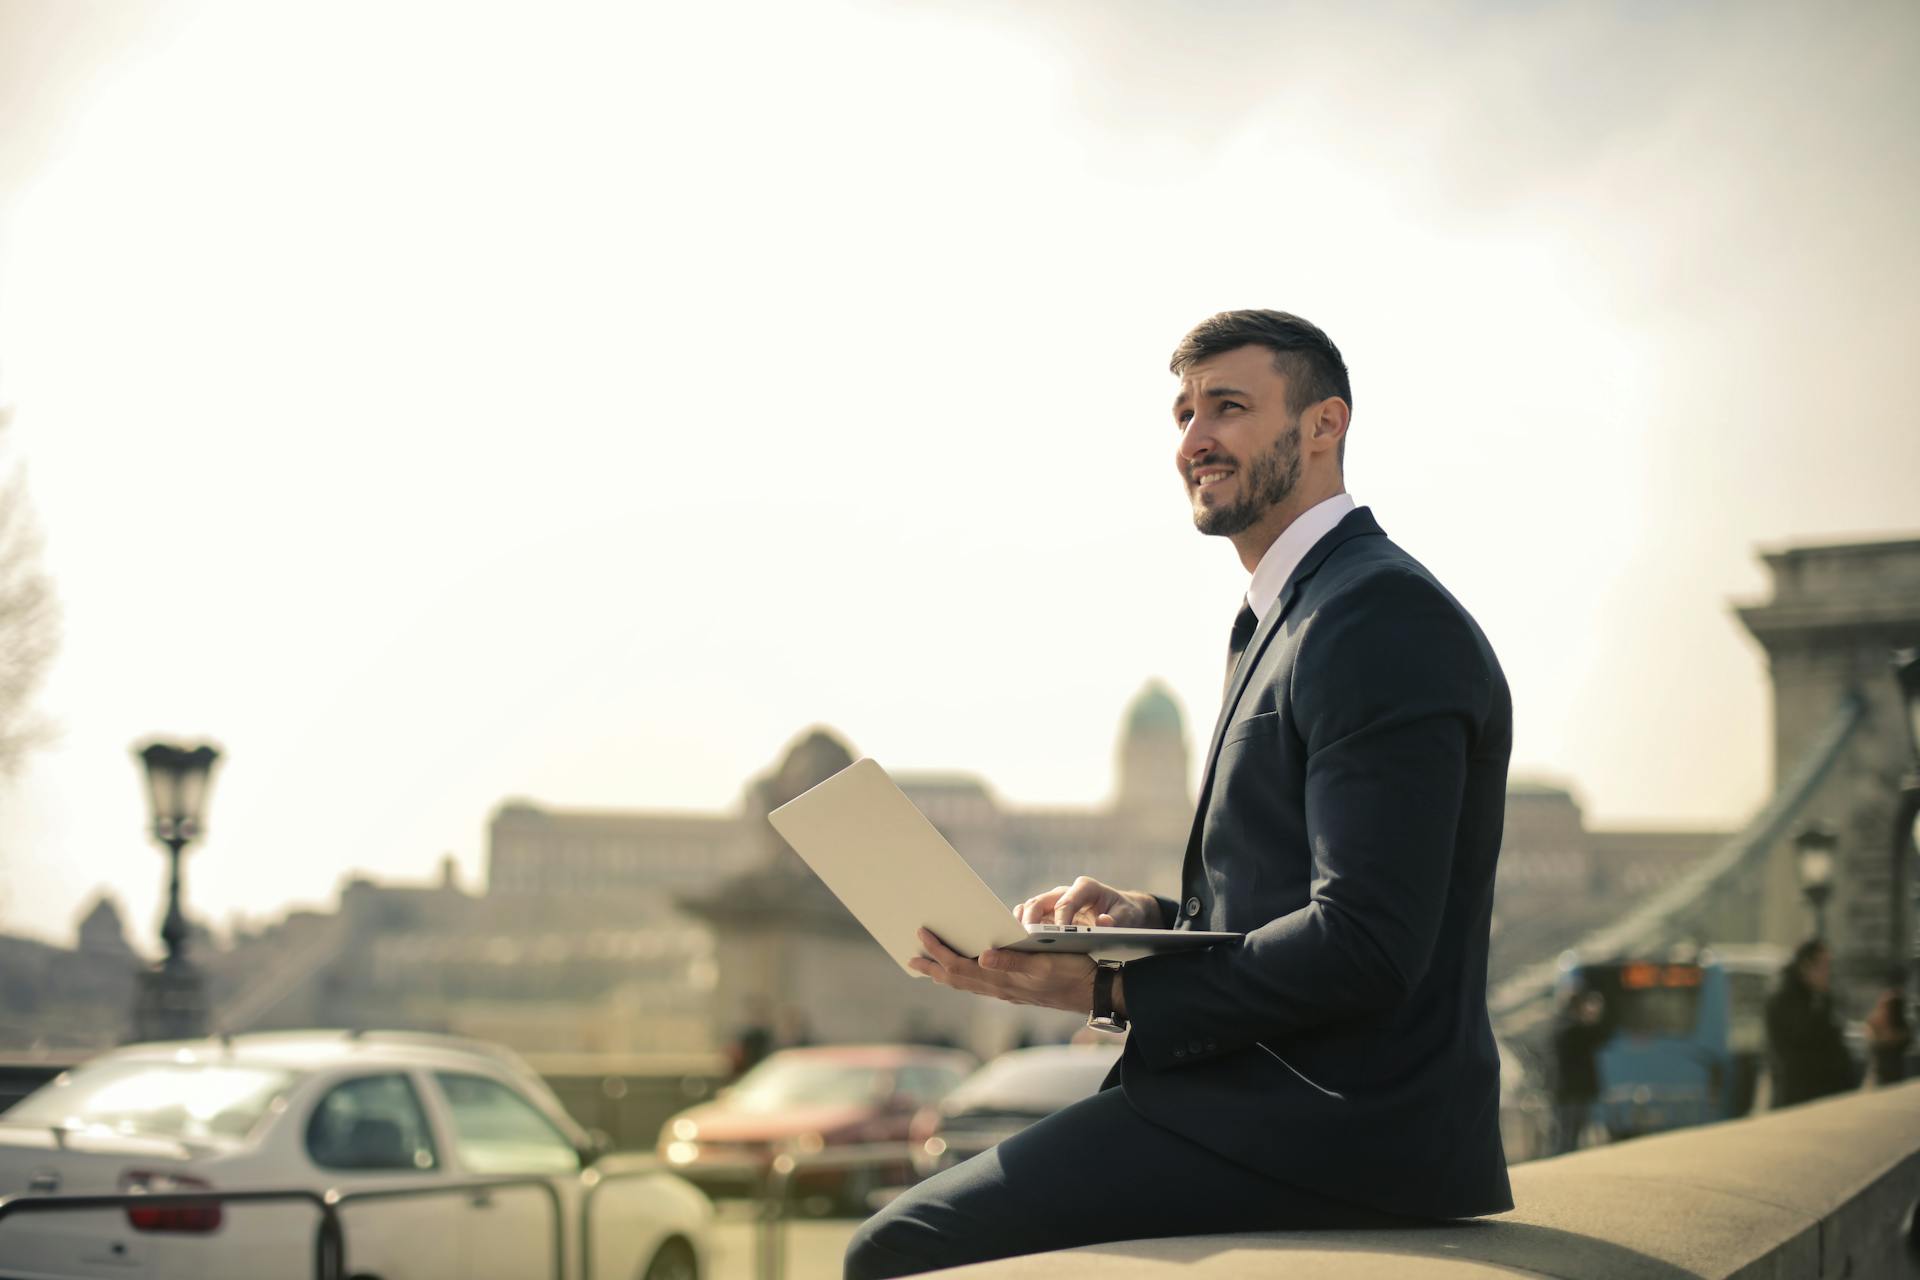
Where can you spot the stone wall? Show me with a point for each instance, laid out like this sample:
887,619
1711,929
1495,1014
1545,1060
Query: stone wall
1824,1190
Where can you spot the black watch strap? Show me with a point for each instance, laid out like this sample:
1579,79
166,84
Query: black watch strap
1103,1017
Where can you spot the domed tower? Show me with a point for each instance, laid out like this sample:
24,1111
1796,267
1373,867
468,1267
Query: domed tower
793,964
101,931
1153,756
817,756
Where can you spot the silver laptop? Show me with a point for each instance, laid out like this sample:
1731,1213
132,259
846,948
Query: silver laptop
896,873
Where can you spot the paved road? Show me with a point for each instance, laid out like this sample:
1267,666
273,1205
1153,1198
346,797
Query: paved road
815,1246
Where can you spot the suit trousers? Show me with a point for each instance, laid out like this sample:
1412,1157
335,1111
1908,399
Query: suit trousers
1093,1172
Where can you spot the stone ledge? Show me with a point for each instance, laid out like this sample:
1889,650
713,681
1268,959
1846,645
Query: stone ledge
1823,1190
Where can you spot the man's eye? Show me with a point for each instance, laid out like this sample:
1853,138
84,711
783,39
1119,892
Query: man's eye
1231,404
1183,417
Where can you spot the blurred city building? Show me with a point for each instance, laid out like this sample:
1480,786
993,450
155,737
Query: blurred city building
647,932
1558,880
607,933
566,973
535,853
655,858
53,998
791,959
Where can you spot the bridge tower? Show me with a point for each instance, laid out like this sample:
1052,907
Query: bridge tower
1836,613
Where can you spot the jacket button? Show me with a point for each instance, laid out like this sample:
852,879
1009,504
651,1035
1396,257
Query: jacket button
1179,1053
1193,1046
1193,907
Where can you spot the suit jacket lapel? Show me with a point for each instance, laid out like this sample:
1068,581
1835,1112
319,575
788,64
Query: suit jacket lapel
1356,523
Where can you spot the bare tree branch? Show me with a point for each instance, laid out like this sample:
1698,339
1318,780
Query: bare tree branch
29,621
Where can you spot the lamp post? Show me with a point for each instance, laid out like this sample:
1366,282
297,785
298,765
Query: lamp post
1906,809
1814,846
172,1000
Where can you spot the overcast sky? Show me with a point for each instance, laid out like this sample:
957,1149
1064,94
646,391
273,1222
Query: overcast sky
435,404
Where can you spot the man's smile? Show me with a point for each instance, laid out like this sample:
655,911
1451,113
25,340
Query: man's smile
1211,473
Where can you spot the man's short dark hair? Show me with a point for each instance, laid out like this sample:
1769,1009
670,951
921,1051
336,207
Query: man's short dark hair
1302,353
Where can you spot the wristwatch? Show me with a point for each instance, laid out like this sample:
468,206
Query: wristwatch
1104,1017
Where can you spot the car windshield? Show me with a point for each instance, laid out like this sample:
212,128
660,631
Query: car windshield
1042,1084
775,1085
196,1102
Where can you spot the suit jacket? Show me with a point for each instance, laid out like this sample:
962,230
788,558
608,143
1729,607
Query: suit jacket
1348,823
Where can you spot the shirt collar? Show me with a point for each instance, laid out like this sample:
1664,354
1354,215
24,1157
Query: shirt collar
1291,547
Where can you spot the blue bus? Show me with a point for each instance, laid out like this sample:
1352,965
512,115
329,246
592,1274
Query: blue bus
1685,1036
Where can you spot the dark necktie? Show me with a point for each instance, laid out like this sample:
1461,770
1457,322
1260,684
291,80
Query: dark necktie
1243,624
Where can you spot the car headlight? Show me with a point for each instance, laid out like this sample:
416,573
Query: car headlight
685,1130
808,1143
682,1152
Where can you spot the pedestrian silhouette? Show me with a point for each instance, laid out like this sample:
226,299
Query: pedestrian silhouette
1576,1076
1805,1052
1888,1035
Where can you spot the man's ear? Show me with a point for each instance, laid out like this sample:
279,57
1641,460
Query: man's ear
1326,424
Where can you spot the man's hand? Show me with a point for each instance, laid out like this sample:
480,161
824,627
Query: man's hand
1087,901
1052,982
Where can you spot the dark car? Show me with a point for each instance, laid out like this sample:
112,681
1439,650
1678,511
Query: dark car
805,1101
1004,1097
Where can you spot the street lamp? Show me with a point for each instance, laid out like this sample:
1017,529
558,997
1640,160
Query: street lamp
172,1000
1815,845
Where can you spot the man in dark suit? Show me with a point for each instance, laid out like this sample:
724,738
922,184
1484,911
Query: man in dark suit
1336,1066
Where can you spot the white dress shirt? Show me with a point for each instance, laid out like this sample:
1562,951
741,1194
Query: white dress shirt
1290,548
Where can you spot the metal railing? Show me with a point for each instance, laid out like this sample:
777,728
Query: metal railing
330,1240
630,1170
470,1188
776,1197
775,1180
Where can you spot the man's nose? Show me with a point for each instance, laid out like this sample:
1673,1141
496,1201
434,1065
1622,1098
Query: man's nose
1196,440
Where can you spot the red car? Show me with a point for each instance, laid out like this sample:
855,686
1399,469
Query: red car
804,1101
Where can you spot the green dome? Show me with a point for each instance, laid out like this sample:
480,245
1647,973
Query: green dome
1154,711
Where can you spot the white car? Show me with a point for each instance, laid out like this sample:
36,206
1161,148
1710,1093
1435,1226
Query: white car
329,1110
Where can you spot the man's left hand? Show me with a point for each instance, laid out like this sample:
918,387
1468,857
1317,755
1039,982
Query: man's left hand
1053,982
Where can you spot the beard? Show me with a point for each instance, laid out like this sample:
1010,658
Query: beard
1265,483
